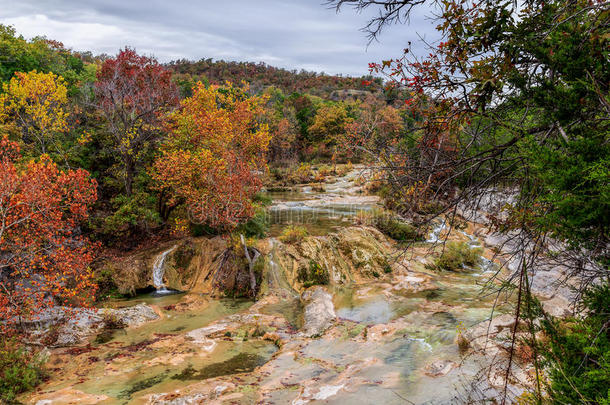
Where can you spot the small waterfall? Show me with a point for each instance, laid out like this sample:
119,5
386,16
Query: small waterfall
276,280
436,232
159,271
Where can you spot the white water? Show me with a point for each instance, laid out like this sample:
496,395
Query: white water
276,280
436,232
159,271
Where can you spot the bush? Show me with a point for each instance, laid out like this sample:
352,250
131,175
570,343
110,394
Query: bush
262,199
457,255
314,274
131,215
255,227
20,370
111,321
577,352
304,174
106,287
293,234
391,226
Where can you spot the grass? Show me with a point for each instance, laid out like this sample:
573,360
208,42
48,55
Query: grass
314,274
457,256
293,234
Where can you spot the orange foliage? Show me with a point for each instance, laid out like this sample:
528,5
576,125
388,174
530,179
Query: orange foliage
214,155
43,258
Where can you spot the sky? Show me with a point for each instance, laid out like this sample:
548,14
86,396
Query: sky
293,34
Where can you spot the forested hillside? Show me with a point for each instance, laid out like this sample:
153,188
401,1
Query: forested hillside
261,75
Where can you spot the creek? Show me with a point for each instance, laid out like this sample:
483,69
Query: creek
379,350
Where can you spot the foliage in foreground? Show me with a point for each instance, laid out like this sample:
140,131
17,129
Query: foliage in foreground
20,370
43,256
577,352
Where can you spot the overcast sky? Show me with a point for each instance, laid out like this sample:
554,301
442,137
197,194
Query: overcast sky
295,34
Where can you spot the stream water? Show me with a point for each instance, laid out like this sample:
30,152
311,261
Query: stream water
378,351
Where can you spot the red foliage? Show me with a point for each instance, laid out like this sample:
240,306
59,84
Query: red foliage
136,83
43,258
133,92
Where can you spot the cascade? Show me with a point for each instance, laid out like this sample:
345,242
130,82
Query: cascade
159,271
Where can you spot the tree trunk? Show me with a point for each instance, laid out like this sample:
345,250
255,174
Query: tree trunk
129,173
251,261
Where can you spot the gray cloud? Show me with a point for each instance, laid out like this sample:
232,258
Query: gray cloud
295,34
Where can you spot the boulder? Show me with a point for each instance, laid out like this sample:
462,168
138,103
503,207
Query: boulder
63,326
319,311
440,368
491,336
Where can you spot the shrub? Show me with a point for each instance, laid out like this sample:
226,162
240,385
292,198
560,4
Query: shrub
457,255
293,234
391,226
262,199
131,215
325,170
304,174
111,321
20,369
577,352
106,287
314,274
255,227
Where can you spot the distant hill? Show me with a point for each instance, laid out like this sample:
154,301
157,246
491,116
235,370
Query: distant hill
260,75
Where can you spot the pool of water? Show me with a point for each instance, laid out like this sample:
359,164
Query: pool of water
177,321
142,375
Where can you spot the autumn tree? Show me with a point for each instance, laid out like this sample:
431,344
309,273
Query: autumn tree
376,126
44,257
214,155
36,104
134,92
41,54
329,127
281,118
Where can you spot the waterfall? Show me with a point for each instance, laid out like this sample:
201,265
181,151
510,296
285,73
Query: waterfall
277,281
159,271
436,232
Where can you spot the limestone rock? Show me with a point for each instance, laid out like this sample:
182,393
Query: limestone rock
72,326
319,311
440,368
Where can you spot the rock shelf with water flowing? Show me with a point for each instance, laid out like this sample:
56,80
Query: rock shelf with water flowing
383,329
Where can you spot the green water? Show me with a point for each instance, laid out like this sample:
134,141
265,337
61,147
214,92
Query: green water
177,321
139,378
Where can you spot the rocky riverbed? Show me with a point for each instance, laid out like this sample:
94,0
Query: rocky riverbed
386,328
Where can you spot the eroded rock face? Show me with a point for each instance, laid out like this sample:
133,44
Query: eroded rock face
183,266
353,254
319,311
